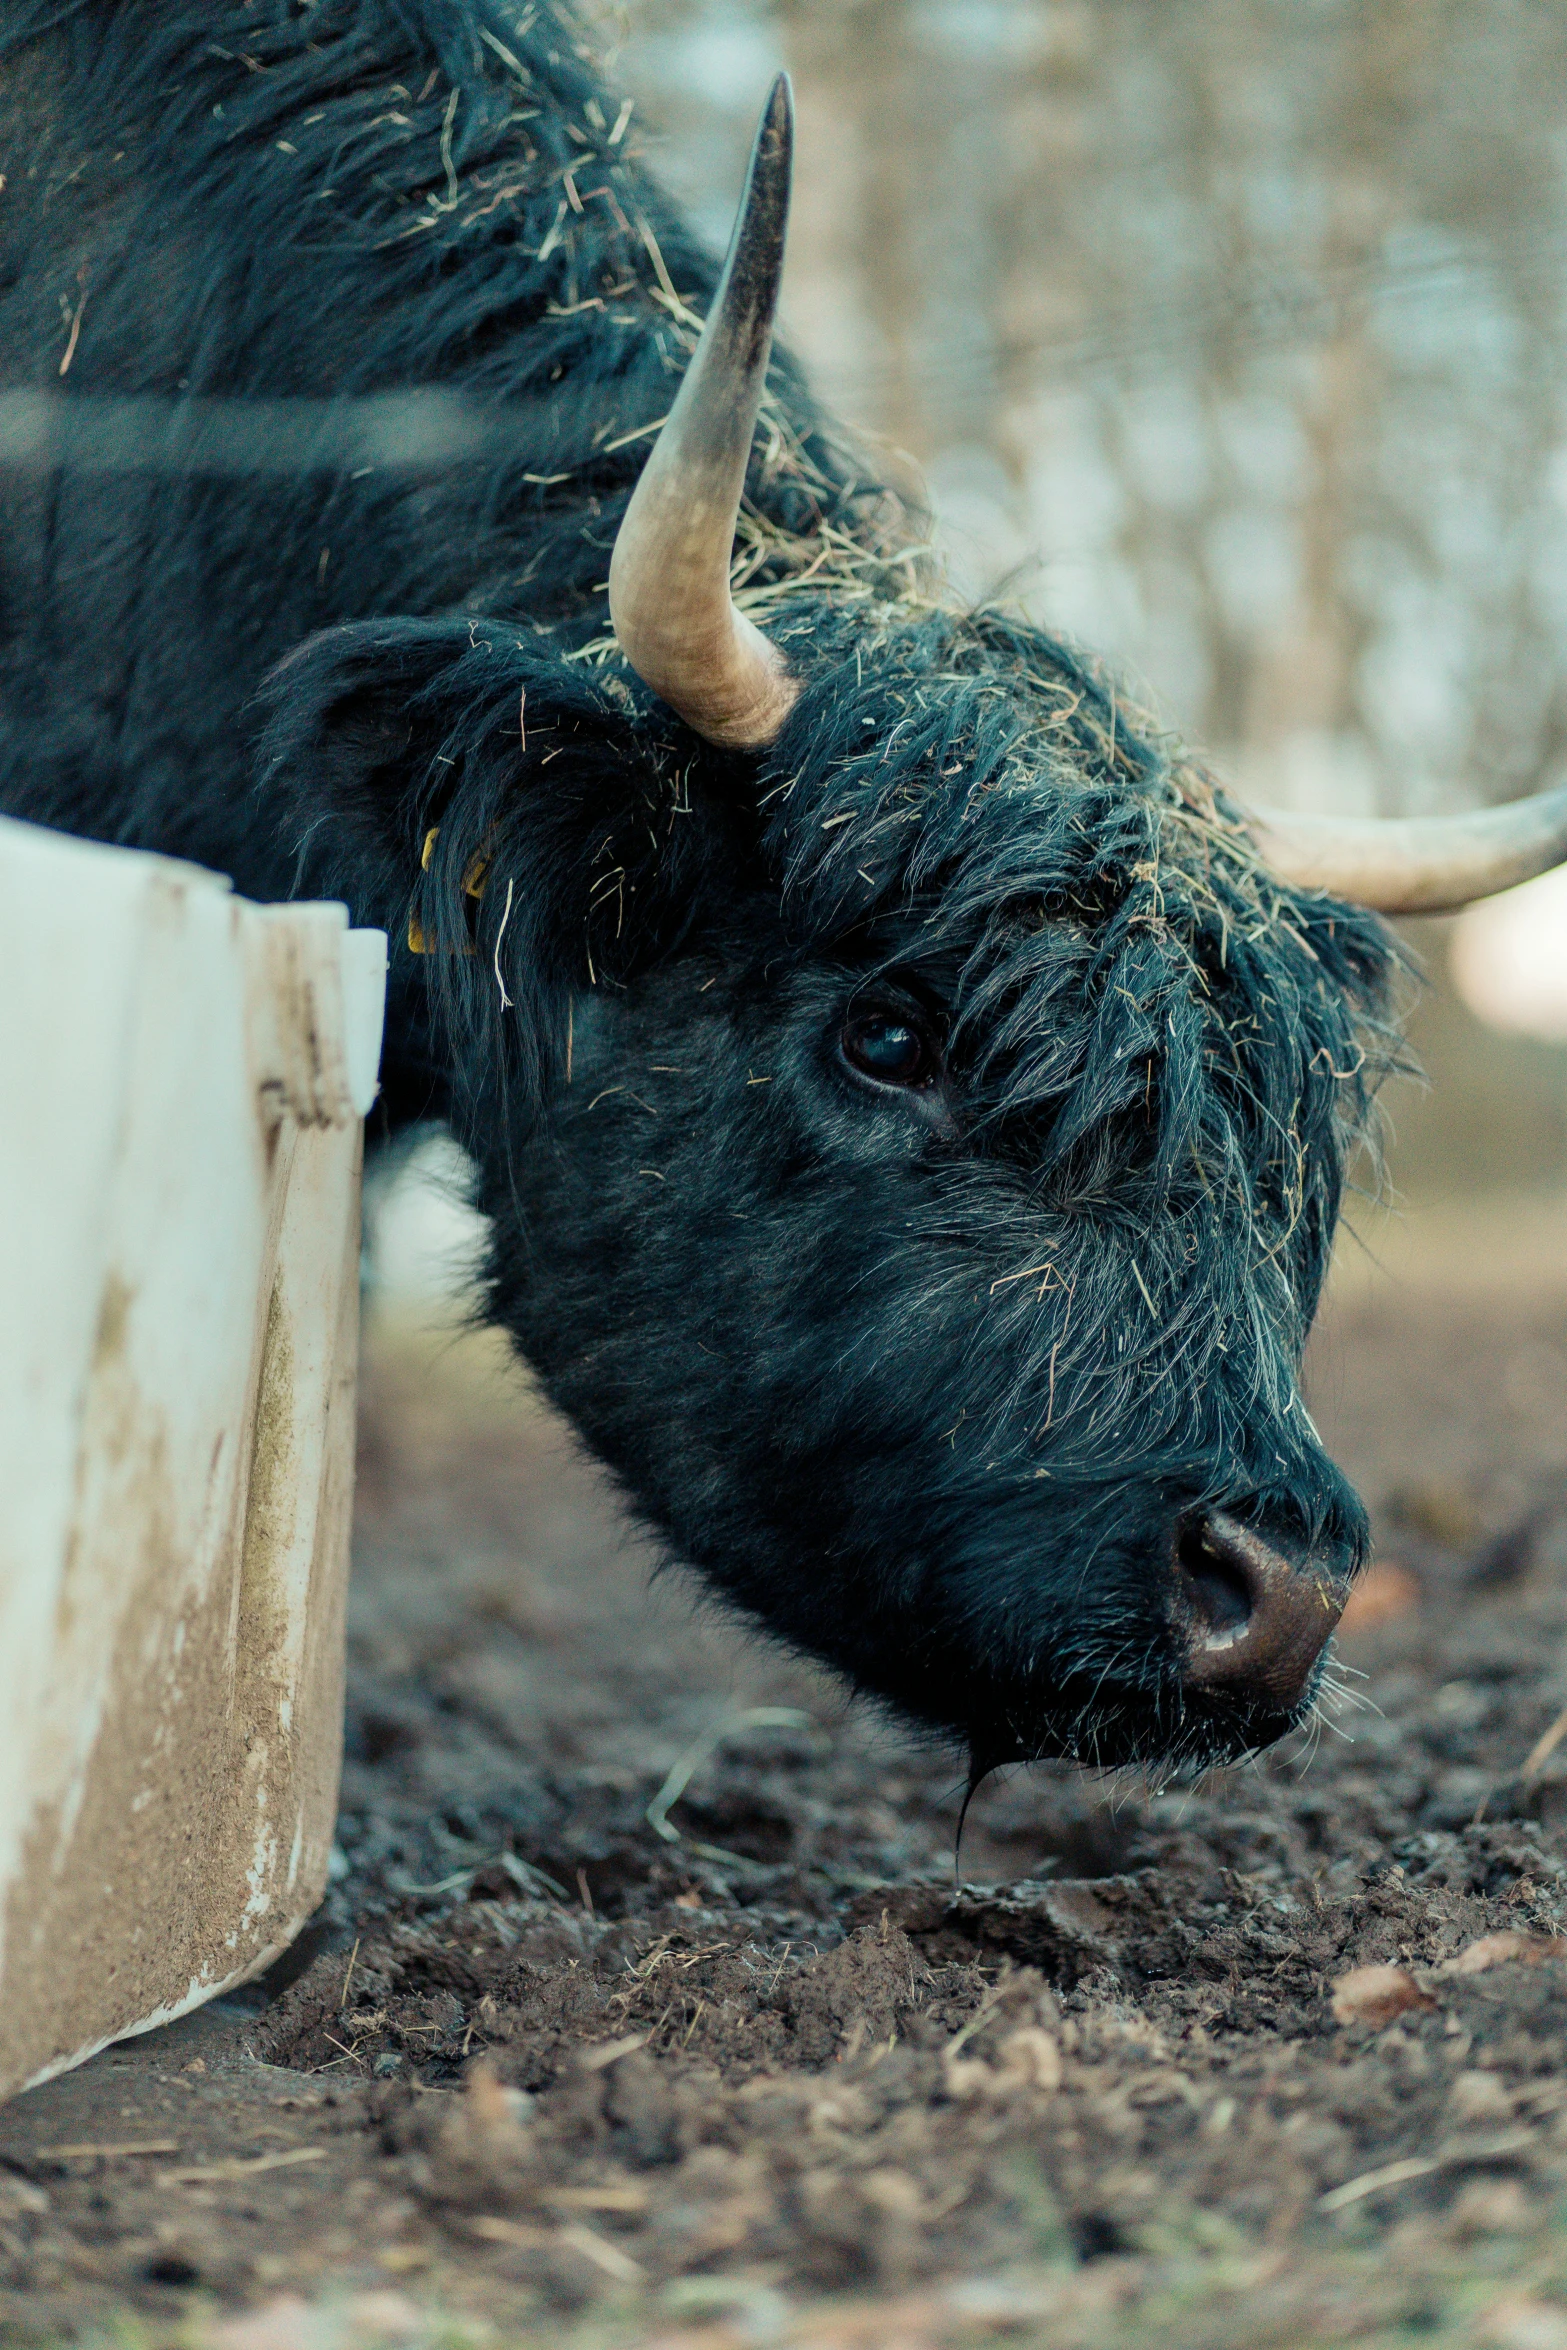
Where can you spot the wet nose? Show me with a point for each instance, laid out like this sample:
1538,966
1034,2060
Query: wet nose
1253,1621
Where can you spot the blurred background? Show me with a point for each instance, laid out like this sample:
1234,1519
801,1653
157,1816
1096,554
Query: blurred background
1228,336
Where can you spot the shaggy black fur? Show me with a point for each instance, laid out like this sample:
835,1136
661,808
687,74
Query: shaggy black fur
925,1379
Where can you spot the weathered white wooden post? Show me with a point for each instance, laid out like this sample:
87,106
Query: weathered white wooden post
183,1078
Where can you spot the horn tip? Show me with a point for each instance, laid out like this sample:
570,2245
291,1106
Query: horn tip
778,113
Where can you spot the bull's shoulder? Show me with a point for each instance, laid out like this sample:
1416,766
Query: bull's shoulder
263,212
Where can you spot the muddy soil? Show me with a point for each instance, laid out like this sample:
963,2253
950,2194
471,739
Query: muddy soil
646,2007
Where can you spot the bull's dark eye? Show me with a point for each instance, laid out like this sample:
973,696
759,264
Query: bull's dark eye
890,1047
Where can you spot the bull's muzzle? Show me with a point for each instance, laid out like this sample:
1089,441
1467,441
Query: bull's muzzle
1252,1621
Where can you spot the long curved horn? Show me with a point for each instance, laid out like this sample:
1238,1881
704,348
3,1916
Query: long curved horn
669,594
1417,864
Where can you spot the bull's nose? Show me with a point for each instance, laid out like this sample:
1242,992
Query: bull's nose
1253,1623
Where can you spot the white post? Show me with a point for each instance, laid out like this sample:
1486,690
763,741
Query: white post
183,1078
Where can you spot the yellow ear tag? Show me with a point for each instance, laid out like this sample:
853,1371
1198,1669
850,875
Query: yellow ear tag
418,943
474,883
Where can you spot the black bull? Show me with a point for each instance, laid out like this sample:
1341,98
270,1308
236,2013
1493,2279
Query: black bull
911,1115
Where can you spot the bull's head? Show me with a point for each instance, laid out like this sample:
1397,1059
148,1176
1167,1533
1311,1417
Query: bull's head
912,1103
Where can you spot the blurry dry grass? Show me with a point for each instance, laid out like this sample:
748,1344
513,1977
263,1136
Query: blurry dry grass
1501,1241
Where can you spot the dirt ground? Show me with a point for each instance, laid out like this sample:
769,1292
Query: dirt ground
645,2008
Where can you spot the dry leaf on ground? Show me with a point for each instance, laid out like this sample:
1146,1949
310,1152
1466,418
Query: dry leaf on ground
1377,1994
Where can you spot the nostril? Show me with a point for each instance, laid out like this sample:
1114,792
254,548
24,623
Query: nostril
1253,1621
1218,1592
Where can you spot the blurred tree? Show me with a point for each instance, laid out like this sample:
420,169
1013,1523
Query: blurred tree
1240,318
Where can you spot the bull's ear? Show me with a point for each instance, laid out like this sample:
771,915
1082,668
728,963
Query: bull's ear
526,822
